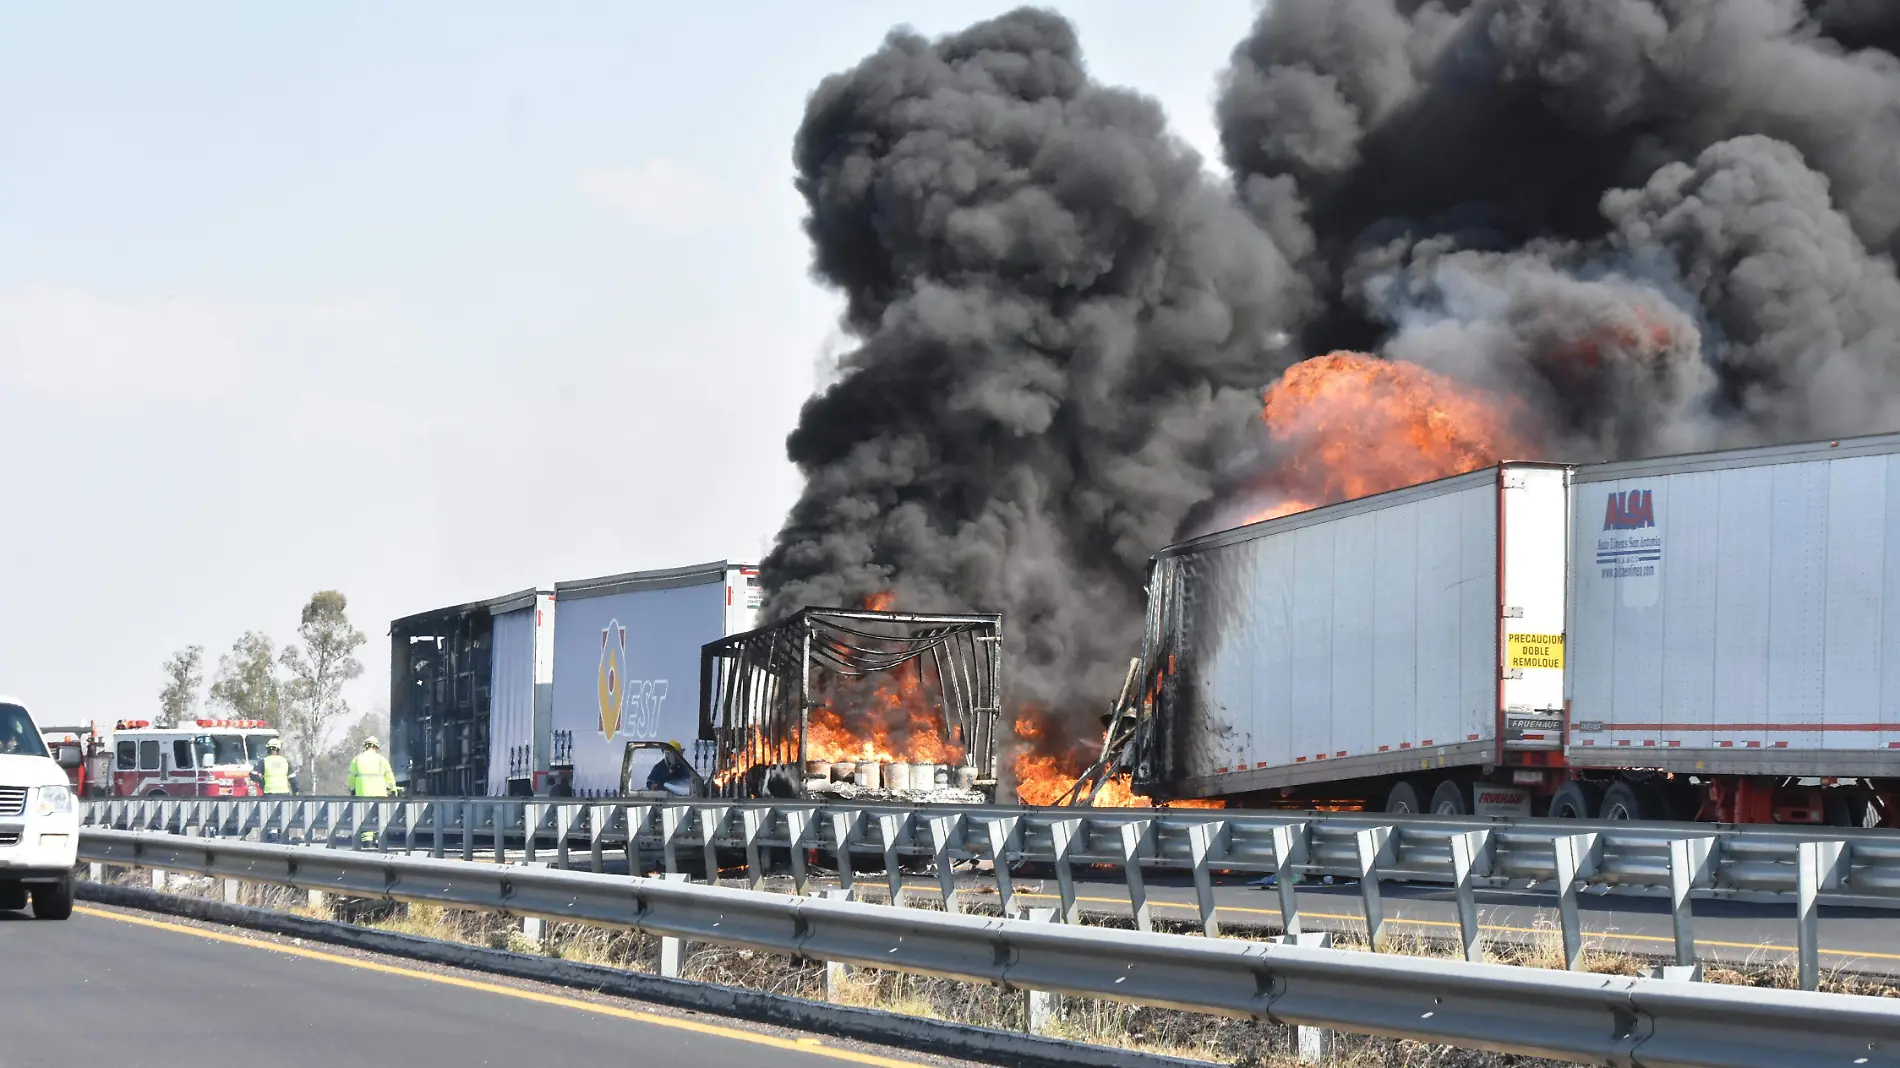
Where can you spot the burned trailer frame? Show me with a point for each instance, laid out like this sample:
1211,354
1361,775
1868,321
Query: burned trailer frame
756,689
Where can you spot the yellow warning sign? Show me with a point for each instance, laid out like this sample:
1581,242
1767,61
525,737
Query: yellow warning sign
1534,650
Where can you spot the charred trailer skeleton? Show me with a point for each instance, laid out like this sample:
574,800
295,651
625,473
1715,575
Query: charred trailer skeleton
790,705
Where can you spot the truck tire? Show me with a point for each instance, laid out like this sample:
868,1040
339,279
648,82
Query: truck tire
1404,798
1452,798
1575,800
53,901
1624,801
12,896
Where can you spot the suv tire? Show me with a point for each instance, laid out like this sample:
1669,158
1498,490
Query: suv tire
53,901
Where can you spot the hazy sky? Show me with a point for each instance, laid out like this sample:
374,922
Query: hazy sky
423,302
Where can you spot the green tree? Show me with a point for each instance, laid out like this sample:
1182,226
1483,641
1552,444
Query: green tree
247,685
319,668
184,674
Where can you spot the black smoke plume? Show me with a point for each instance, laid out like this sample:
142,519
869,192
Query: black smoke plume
1667,223
1063,327
1660,224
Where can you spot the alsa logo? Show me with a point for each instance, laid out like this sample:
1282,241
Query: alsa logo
1629,510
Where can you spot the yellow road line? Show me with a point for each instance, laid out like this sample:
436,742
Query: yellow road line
1855,954
799,1045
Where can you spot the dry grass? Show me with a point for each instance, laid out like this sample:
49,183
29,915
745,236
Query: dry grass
1242,1043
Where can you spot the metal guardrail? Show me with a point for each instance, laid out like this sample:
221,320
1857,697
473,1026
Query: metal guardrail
1559,857
1589,1018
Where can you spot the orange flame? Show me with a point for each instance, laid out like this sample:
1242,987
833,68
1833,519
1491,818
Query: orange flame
1044,778
1354,425
893,721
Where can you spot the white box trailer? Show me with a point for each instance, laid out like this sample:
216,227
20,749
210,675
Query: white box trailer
626,663
1738,614
521,692
1368,645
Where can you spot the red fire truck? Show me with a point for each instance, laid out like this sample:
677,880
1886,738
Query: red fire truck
92,777
207,758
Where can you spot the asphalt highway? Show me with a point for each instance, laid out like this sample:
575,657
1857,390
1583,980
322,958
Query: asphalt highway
124,988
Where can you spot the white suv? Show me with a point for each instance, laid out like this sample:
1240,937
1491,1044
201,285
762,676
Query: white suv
39,818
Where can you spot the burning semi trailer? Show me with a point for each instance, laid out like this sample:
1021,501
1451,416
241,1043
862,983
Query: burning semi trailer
834,702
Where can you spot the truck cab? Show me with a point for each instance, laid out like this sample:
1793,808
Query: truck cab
39,817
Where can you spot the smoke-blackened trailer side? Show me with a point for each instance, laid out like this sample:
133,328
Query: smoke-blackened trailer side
469,695
1359,652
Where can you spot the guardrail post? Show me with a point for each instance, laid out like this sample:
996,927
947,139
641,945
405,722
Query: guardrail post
670,826
841,825
1367,845
531,815
673,950
411,817
1571,851
233,891
1817,864
751,822
835,971
158,879
563,825
712,823
1311,1045
797,826
1201,841
635,817
1133,834
887,825
943,832
1000,829
1688,857
1465,849
599,819
96,872
1289,842
468,831
1039,1006
1063,832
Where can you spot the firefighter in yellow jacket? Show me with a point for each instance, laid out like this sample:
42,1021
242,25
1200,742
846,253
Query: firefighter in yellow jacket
276,768
371,776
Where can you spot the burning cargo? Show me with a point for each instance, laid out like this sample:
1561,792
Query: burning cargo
855,703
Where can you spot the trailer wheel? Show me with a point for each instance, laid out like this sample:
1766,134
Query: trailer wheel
1623,801
1404,798
1451,799
1575,800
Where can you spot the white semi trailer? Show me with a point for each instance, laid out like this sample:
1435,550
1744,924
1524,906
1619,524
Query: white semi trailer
1711,637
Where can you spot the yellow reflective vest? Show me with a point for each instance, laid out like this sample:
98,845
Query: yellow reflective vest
371,775
276,774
